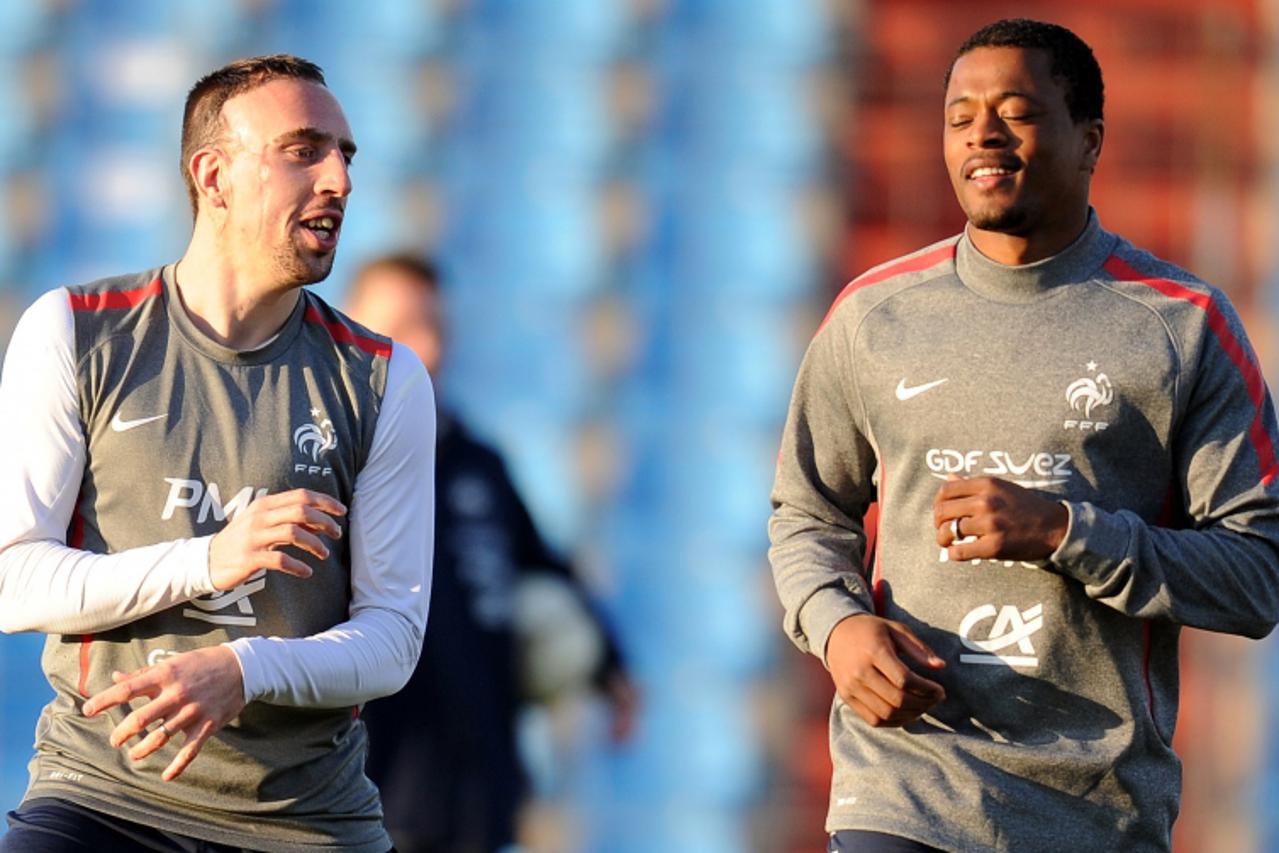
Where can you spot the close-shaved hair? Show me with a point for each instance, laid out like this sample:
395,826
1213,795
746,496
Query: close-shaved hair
1072,61
202,117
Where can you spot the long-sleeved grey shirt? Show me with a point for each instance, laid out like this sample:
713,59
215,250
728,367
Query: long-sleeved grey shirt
1105,378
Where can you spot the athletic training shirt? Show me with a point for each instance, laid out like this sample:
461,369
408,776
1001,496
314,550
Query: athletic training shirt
139,438
1102,377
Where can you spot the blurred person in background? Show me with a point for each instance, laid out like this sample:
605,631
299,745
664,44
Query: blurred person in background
444,750
216,512
1073,452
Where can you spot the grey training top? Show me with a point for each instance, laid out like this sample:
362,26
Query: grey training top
1104,377
298,412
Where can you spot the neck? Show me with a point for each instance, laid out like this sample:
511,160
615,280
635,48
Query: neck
1011,283
225,302
1019,249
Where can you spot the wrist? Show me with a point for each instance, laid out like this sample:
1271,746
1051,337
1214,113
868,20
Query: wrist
236,648
1059,525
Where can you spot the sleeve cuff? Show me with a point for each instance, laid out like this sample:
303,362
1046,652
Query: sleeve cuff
1092,546
200,580
250,668
821,613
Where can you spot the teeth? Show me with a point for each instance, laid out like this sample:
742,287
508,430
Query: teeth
322,223
990,171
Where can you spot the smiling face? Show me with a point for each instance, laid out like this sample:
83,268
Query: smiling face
1019,164
283,181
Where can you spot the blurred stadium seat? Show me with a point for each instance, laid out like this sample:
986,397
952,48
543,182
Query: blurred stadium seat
496,134
511,113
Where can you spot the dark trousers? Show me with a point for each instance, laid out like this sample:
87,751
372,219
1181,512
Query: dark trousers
862,841
50,825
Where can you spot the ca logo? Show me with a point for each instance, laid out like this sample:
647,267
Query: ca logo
1011,627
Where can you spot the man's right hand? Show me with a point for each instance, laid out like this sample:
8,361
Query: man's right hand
864,654
252,540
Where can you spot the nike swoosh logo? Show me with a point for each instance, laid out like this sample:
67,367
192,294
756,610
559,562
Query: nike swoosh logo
119,424
904,393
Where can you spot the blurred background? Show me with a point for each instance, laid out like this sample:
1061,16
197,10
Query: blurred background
642,208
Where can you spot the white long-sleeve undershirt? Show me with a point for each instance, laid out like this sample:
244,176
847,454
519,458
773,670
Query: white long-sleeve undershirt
47,586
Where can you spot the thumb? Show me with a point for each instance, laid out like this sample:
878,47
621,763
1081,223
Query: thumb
914,648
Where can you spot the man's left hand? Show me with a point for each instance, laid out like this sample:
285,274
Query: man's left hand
194,693
1008,521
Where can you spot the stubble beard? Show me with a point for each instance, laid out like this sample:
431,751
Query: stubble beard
1010,219
297,266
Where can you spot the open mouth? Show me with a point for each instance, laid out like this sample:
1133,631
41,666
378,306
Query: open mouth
989,172
986,178
324,227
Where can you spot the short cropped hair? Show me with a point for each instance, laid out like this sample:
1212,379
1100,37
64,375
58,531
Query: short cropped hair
1072,60
418,267
202,116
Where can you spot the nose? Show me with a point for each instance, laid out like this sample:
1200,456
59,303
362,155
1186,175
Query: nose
988,130
334,178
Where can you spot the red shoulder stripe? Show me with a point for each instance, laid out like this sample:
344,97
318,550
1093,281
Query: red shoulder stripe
1233,347
915,264
115,298
86,642
877,590
343,333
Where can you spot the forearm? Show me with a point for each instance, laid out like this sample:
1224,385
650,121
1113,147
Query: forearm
370,655
49,587
1223,577
821,493
374,651
818,579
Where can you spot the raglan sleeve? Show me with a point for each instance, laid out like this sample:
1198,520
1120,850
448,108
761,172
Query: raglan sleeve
1221,572
392,529
822,489
45,583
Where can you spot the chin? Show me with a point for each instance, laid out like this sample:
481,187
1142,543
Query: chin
303,269
1004,220
320,268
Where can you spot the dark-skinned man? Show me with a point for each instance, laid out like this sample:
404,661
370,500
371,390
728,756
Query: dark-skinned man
1073,453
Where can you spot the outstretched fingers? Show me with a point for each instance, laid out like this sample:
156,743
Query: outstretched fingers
190,749
192,694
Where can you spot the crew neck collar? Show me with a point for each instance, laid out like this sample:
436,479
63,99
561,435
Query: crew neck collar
262,354
1028,282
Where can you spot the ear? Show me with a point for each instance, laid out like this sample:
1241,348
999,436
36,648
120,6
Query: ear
206,168
1094,135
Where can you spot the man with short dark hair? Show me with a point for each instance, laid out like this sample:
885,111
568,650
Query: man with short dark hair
217,512
444,750
1073,454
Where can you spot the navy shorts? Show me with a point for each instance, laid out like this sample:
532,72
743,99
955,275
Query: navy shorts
50,825
862,841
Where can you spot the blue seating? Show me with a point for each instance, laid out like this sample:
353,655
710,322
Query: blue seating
714,289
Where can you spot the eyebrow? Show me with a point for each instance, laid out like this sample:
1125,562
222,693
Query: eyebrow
315,135
1003,96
